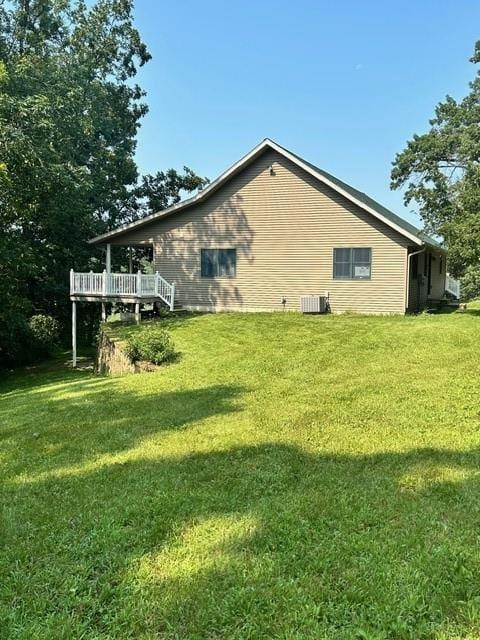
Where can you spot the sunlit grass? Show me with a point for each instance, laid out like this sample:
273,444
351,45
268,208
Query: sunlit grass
287,477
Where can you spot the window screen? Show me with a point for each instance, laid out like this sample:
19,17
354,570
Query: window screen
352,264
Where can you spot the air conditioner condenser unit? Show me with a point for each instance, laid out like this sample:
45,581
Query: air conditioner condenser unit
313,304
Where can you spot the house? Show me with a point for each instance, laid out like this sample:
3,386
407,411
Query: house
269,230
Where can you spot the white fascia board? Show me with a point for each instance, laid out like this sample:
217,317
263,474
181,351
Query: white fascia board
185,203
236,167
344,193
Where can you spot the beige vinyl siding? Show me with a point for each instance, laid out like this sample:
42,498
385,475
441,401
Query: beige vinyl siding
284,227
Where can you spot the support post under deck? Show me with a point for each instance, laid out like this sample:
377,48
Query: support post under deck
74,334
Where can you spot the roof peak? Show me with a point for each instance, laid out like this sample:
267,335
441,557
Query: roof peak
357,197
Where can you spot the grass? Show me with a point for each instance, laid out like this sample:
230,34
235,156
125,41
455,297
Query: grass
288,477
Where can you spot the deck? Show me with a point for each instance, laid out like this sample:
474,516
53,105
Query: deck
121,287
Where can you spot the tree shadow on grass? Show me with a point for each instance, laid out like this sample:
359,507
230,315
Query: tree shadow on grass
252,542
470,312
65,423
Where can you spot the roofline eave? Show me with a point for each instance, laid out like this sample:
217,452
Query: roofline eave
213,186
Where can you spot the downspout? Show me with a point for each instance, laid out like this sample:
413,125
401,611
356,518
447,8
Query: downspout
409,263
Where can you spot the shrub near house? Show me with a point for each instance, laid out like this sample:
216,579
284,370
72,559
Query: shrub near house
152,344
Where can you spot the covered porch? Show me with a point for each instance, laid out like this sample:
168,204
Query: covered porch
429,285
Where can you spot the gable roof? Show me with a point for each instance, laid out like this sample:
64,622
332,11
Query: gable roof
357,197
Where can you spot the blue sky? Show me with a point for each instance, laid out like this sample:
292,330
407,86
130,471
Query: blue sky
342,83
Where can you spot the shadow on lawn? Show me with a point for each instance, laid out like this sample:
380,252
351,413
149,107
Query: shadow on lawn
257,541
471,312
100,417
251,542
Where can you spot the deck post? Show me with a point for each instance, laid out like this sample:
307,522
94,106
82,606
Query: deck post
104,312
172,297
108,258
74,334
139,283
130,260
104,282
137,312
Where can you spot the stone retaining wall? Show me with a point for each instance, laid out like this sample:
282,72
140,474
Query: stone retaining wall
111,359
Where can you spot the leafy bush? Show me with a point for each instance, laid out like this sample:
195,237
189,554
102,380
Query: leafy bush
152,344
23,341
44,332
470,284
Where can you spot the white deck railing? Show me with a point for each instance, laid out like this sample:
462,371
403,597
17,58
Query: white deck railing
452,286
118,285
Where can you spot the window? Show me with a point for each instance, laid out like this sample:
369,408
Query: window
218,262
352,264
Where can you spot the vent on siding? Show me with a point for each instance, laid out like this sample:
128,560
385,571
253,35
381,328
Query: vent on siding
313,304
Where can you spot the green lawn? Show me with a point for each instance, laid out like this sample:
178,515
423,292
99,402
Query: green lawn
287,477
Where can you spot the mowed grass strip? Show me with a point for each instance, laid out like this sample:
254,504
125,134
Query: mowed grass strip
286,477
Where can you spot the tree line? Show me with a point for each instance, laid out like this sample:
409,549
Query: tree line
69,114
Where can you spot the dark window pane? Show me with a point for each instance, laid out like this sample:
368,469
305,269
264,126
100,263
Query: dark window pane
342,266
208,263
227,259
342,270
218,262
342,255
361,255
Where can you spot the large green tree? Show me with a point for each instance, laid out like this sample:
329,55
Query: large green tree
69,114
160,191
440,171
